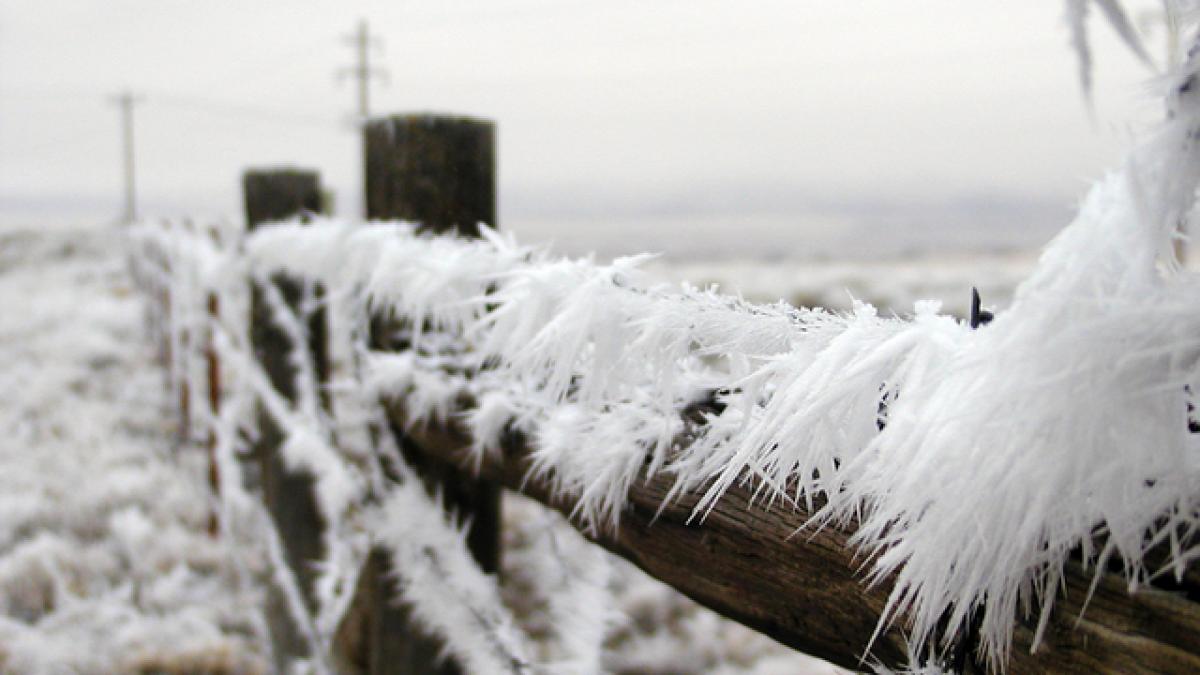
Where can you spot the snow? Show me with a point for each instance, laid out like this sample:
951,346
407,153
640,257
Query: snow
105,565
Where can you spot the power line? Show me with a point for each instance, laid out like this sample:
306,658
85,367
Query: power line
126,100
204,104
242,111
363,71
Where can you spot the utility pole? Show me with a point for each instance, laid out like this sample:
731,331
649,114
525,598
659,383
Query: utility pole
363,71
126,100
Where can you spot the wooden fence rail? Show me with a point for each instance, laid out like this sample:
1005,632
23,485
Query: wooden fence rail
744,562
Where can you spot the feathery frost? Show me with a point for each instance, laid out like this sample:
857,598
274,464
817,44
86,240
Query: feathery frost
448,592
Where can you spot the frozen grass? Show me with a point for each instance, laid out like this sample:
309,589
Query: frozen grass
104,562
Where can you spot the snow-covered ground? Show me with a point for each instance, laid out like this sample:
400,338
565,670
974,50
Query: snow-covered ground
105,565
105,562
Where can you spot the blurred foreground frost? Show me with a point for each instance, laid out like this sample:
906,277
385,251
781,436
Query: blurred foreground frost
104,561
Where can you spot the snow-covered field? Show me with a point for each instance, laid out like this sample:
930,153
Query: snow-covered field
105,561
105,565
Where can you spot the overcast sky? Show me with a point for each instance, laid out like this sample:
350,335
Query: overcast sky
693,125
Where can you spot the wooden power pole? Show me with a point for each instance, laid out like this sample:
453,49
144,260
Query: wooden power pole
363,71
126,100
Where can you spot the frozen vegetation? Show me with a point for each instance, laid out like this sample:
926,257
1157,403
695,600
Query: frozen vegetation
105,565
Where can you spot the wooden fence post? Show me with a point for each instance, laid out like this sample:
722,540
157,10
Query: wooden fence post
438,171
289,496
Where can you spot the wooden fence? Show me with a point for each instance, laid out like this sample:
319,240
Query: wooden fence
805,591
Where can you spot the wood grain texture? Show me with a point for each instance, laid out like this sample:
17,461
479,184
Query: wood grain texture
805,591
436,170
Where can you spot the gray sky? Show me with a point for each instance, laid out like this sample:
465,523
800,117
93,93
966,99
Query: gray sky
696,126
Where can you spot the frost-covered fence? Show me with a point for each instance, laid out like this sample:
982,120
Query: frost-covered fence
906,491
807,590
640,469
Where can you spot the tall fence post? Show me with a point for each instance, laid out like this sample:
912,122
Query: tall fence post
290,498
438,171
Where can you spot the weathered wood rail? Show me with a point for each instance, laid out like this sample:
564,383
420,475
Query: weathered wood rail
805,590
